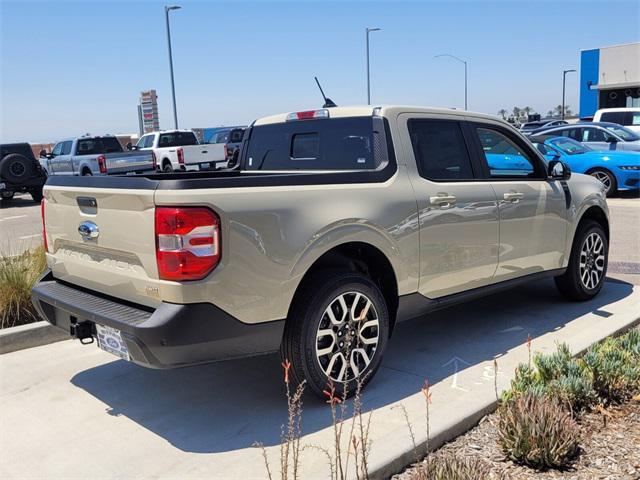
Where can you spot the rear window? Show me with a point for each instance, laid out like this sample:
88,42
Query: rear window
177,139
96,146
354,143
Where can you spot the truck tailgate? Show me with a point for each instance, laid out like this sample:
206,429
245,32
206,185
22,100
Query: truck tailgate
120,260
124,162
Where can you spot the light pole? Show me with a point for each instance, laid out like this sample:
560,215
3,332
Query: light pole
465,73
167,9
564,80
369,30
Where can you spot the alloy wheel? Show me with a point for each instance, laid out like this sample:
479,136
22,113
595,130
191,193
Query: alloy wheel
592,261
347,336
603,177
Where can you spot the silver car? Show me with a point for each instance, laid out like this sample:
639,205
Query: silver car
597,135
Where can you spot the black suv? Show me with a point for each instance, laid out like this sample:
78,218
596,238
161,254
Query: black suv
20,171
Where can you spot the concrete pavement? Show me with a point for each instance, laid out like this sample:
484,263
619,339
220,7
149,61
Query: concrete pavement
20,225
72,411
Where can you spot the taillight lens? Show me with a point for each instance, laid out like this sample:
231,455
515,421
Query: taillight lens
154,161
187,242
181,156
102,164
44,228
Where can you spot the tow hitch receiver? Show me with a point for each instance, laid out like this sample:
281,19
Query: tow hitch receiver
82,331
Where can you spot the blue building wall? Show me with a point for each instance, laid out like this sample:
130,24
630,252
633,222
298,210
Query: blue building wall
589,72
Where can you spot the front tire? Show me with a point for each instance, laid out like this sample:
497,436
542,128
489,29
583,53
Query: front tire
337,332
607,178
36,195
587,267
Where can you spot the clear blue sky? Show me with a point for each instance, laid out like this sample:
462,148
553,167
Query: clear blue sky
70,68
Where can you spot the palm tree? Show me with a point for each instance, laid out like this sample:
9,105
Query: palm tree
567,111
550,114
503,113
527,111
516,113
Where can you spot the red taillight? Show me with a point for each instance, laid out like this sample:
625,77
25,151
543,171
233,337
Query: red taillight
181,156
44,228
187,242
226,151
102,164
154,161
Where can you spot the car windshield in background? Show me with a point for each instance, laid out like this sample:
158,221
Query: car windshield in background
322,144
568,145
97,146
624,133
177,139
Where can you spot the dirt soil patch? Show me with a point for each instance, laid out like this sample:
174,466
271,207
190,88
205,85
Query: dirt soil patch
609,449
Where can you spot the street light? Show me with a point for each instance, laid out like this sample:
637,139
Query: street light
465,73
564,79
167,9
369,30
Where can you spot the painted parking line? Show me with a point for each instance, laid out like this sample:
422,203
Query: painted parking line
15,217
31,236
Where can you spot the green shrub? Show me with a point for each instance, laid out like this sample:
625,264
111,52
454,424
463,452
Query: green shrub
614,368
558,375
17,275
446,466
536,431
630,342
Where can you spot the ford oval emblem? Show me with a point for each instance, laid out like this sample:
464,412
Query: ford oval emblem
88,230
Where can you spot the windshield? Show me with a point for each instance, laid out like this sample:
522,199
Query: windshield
624,133
568,145
97,146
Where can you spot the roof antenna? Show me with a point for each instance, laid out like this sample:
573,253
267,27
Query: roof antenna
328,103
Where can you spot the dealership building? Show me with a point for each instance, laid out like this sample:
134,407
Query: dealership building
609,77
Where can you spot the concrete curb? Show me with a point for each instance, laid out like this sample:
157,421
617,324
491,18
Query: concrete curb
400,457
29,335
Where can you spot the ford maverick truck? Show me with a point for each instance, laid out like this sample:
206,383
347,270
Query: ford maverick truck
338,224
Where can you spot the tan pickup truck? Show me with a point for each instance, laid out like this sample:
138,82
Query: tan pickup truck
338,224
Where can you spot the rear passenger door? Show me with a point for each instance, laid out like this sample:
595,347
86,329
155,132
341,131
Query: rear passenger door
532,207
457,211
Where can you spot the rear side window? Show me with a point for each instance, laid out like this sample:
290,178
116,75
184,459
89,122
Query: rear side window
440,150
177,139
613,117
323,144
96,146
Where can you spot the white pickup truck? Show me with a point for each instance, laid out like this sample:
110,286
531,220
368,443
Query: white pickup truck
179,150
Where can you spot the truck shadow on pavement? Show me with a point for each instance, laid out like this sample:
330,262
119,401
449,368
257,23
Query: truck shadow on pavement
227,406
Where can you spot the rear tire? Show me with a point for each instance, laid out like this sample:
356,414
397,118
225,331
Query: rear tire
167,168
6,196
325,341
607,178
87,173
587,267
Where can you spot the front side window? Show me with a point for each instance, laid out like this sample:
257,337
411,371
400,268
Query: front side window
66,148
440,150
351,143
569,146
504,158
594,135
57,149
635,118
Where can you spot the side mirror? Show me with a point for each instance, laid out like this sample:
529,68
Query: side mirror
43,153
611,139
129,146
558,170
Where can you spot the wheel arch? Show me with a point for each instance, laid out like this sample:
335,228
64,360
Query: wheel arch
596,214
356,256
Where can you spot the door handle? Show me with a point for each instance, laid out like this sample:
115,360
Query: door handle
204,151
513,197
443,200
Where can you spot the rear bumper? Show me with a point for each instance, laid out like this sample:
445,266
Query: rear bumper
170,336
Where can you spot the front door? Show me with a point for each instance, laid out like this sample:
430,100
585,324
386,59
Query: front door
457,213
532,208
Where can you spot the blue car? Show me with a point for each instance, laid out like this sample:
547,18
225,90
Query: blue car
617,170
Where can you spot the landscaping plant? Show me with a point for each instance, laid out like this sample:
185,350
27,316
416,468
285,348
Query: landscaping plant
450,467
536,431
18,274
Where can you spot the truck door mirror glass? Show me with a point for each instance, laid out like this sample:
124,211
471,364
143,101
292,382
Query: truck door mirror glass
43,153
558,170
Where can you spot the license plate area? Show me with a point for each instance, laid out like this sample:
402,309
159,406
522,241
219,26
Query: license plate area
205,166
110,340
